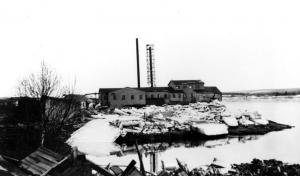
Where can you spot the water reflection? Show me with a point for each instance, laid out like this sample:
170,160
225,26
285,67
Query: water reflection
163,146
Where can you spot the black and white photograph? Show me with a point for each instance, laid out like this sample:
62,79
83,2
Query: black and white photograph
149,88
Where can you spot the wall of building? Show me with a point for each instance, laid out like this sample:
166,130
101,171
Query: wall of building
126,97
199,85
103,98
157,94
176,97
208,96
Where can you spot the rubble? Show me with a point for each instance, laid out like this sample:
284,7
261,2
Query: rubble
196,120
161,119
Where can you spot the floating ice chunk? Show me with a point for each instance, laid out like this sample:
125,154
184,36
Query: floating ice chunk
211,129
230,121
95,138
244,121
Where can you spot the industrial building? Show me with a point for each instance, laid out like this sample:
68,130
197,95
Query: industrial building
177,91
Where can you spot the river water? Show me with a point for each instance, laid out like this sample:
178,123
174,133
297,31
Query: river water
282,145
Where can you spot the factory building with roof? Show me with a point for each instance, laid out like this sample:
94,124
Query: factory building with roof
177,92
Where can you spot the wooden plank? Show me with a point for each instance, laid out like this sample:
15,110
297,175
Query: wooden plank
34,166
129,168
41,159
57,164
43,165
135,172
34,171
11,168
100,169
31,167
141,159
163,173
116,170
57,156
47,157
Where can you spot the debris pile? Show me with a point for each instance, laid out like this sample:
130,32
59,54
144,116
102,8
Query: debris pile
209,118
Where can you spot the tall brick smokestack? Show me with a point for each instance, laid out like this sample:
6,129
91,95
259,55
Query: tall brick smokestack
138,62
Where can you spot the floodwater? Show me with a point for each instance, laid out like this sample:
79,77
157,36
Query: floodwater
281,145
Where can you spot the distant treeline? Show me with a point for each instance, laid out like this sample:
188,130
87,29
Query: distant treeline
265,92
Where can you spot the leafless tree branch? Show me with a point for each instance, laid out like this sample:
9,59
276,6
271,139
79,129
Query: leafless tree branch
46,86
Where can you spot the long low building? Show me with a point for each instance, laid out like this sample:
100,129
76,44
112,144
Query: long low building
177,92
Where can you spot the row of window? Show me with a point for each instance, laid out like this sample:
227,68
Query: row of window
197,86
132,97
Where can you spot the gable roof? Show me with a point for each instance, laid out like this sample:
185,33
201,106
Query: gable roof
107,90
180,82
128,89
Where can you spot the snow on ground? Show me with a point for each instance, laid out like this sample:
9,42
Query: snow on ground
96,137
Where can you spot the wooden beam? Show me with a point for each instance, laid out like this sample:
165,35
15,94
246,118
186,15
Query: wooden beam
141,159
129,168
100,169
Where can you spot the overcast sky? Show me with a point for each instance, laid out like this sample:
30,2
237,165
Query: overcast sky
234,45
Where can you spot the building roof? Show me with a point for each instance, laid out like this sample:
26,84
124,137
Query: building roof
165,89
180,82
41,161
145,89
155,89
75,97
106,90
214,90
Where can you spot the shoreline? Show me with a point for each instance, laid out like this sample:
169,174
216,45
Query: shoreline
131,138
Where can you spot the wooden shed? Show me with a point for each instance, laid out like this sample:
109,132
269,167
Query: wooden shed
42,161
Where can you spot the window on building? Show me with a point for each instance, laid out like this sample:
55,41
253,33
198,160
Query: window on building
166,95
174,95
114,96
141,97
192,95
179,95
158,96
132,97
152,96
123,97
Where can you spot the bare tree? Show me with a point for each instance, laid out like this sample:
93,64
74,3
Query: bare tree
45,83
46,87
